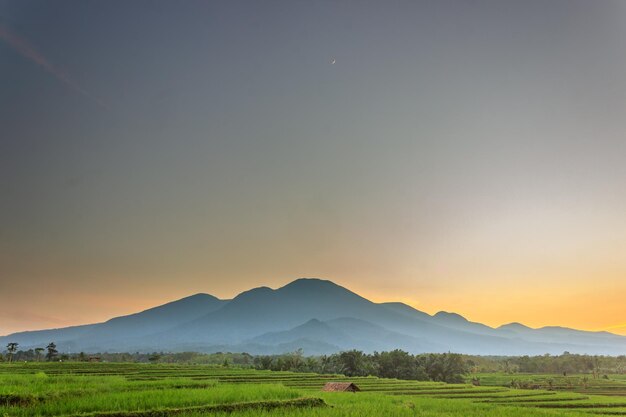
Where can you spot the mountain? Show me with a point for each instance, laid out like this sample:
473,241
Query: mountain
116,333
318,316
345,333
262,310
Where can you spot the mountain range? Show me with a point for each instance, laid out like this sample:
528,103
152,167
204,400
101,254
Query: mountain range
316,315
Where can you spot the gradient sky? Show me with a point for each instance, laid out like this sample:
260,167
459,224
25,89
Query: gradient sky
467,156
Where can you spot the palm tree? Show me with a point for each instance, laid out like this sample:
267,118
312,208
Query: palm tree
325,362
52,351
11,349
38,352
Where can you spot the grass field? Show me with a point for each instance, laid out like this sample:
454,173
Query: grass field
137,390
614,385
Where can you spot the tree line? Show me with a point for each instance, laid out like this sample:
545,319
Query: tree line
448,367
566,363
12,354
443,367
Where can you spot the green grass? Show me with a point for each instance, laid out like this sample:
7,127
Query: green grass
72,402
611,385
141,390
348,405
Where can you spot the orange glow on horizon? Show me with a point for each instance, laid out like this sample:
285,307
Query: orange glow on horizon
478,306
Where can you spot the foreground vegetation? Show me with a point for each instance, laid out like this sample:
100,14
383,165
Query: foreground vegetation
150,390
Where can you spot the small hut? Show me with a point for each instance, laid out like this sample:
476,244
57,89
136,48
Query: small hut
340,387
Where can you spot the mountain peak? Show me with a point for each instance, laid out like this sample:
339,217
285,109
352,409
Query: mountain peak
310,282
313,323
254,292
515,326
316,286
200,301
405,310
200,296
296,286
444,315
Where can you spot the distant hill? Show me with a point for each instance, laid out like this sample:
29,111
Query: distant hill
318,316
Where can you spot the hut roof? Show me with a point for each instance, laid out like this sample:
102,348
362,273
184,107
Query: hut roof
340,386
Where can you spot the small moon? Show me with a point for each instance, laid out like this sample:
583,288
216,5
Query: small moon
332,61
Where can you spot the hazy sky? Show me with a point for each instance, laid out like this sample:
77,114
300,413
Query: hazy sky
467,156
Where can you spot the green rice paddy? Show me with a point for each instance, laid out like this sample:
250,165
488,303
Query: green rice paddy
149,390
614,385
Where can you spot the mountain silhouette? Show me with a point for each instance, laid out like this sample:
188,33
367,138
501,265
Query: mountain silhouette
316,315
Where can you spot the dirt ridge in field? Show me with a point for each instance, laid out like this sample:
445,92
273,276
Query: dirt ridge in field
223,408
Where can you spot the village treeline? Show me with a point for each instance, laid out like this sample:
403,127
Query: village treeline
444,367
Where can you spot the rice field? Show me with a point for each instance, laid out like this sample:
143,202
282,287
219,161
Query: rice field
151,390
614,385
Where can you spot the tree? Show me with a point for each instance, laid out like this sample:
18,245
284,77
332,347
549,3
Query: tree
294,360
352,363
52,352
11,349
311,364
325,363
596,367
446,367
263,362
507,366
38,352
398,364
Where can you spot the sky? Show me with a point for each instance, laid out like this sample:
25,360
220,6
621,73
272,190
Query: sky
466,156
